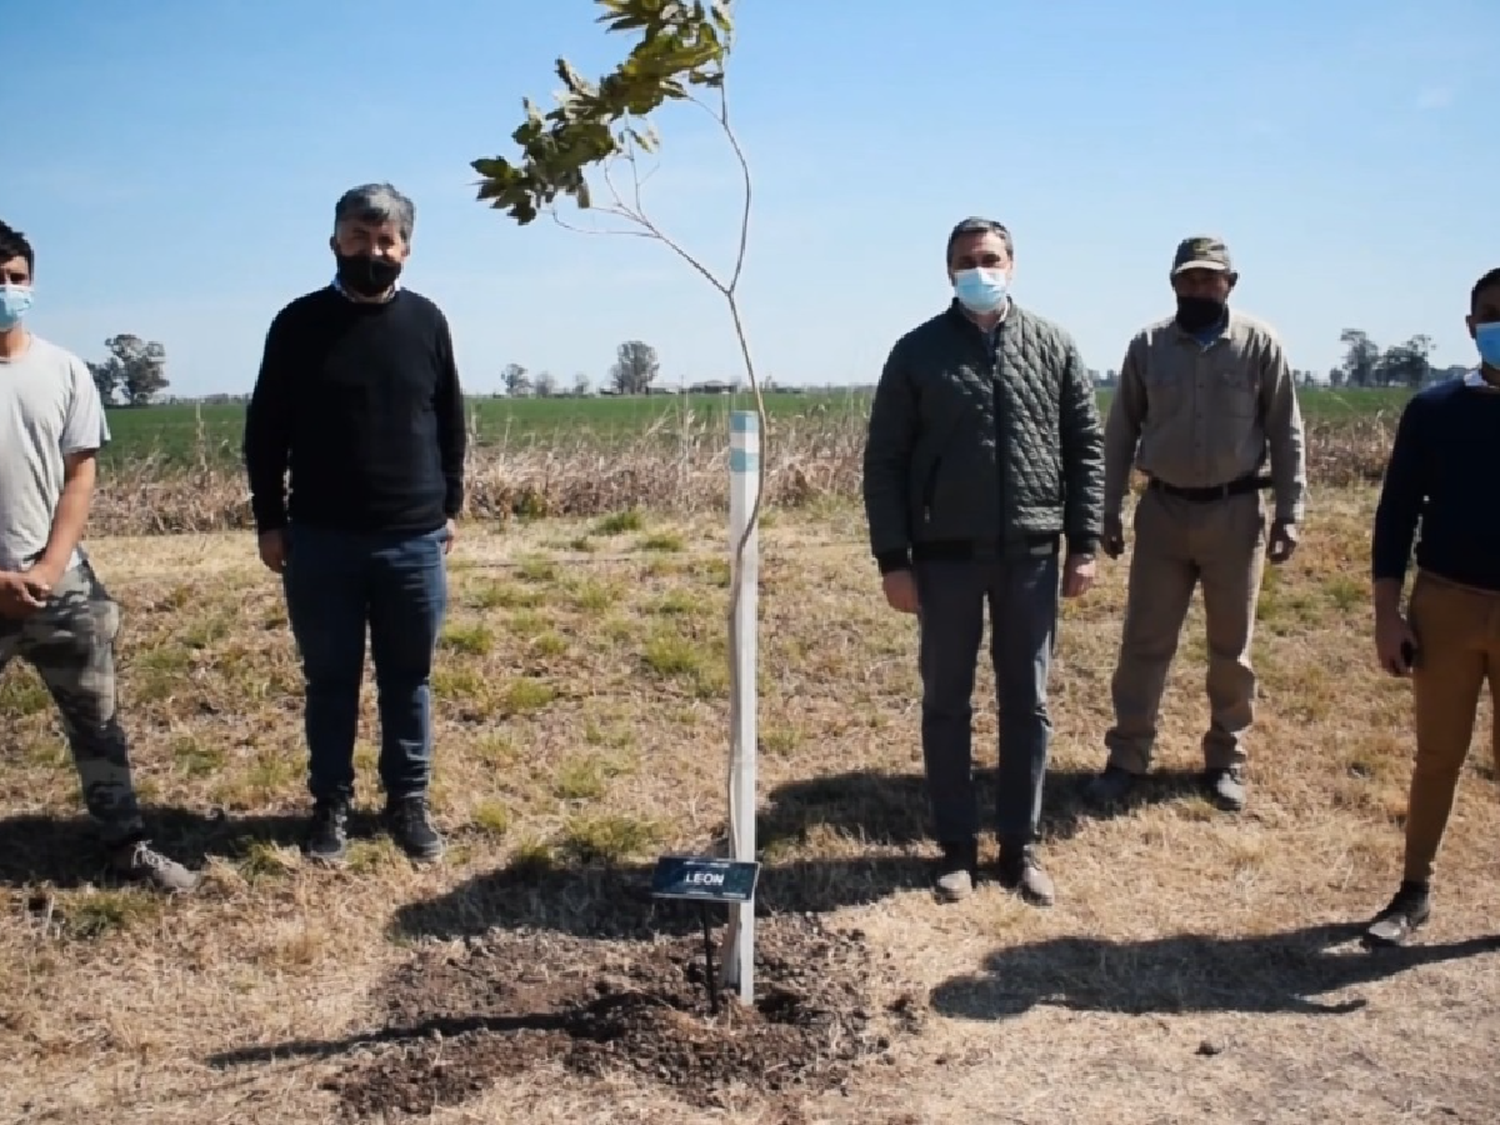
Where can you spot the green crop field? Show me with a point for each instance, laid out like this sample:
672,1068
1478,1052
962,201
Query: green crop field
181,433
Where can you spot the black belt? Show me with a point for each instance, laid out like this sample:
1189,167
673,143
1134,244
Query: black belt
1213,491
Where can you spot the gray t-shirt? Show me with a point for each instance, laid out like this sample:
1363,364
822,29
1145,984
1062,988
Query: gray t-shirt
49,408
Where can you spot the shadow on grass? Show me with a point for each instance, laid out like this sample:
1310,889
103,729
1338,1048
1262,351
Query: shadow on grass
449,1027
66,852
613,901
1271,973
885,813
891,809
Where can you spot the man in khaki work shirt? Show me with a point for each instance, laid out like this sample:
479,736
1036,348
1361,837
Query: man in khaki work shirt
1203,398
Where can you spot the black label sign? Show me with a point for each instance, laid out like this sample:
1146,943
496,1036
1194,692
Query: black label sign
711,880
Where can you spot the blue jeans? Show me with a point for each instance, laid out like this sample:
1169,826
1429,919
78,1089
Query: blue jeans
338,584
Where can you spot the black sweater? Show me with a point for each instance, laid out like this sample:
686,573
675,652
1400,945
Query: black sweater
1441,478
361,403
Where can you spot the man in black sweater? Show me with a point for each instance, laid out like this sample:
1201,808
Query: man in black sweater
1441,477
358,401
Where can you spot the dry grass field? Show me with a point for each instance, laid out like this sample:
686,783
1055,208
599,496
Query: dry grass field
1197,966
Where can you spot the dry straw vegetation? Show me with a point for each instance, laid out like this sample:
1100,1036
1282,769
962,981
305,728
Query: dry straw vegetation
1196,966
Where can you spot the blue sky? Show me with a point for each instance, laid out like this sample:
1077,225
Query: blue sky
176,163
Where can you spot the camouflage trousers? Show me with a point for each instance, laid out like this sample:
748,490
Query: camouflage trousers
71,644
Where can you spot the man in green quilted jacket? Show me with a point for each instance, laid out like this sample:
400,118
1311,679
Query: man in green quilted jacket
983,479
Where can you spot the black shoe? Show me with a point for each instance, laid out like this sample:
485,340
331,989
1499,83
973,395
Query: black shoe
327,839
1112,787
411,827
1407,911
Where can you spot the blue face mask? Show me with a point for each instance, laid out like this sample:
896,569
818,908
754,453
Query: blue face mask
15,302
980,291
1487,339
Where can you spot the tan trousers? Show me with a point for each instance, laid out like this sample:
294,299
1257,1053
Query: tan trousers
1458,642
1179,544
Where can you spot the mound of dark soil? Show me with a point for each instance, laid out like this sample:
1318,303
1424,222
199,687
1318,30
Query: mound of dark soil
514,1001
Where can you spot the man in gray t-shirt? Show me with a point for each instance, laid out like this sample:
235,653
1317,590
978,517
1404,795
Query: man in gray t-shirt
54,612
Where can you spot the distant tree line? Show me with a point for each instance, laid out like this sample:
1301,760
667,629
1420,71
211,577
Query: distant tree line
1367,365
635,368
134,372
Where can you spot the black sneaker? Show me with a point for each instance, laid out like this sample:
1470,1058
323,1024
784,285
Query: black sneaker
327,839
1407,911
411,826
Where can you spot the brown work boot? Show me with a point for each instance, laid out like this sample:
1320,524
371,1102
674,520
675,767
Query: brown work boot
1021,872
137,861
955,870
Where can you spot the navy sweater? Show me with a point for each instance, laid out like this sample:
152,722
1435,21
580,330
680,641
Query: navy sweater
360,405
1443,474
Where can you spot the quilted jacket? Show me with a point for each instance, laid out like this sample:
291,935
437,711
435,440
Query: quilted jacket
979,442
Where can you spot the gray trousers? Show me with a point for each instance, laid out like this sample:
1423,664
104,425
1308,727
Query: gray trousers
1022,594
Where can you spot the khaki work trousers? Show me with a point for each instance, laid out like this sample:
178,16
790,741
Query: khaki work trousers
1458,651
1178,545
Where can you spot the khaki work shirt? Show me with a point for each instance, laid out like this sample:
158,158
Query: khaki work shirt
1200,415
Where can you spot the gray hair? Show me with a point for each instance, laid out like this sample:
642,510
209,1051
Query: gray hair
976,225
376,203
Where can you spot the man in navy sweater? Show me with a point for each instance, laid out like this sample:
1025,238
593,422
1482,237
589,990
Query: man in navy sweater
1441,474
358,400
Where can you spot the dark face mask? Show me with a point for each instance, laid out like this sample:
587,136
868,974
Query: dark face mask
366,274
1197,313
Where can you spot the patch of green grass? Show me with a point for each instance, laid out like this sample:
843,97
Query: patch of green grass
23,693
261,860
368,856
671,654
1346,593
181,434
580,779
526,694
665,542
471,638
91,916
204,632
678,602
491,818
458,682
491,594
620,523
533,858
537,570
608,838
197,758
497,748
528,624
591,595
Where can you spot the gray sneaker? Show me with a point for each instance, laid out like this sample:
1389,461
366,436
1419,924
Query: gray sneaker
1226,787
955,871
137,861
1021,872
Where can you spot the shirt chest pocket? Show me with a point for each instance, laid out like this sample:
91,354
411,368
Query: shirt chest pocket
1233,387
